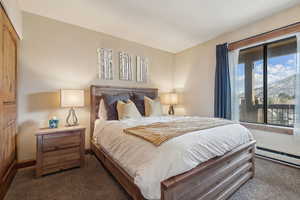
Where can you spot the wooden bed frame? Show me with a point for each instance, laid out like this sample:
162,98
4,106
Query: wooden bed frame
215,179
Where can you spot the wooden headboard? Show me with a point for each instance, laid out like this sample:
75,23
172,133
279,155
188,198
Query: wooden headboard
96,92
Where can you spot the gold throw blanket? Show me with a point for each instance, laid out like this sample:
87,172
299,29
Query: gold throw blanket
157,133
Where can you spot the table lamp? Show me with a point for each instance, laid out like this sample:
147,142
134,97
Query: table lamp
171,99
71,99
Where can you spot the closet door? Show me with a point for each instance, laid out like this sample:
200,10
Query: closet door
8,69
8,96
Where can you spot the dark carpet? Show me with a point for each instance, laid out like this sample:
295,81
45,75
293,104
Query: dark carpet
272,181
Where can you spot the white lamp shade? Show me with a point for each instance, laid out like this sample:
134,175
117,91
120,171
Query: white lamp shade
72,98
170,99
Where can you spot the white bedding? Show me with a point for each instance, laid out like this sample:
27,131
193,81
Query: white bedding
149,165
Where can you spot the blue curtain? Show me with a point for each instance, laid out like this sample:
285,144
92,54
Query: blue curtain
222,83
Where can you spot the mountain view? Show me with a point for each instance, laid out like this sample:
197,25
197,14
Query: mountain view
279,92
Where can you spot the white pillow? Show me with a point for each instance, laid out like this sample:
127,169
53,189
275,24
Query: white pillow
102,112
152,107
127,110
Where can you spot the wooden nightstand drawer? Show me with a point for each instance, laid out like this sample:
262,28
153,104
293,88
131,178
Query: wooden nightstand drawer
61,156
60,141
59,149
61,166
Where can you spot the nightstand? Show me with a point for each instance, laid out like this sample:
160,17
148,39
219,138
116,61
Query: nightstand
59,149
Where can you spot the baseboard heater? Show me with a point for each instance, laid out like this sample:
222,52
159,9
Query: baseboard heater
279,153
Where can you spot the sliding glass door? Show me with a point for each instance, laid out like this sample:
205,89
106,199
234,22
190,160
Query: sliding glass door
250,71
281,82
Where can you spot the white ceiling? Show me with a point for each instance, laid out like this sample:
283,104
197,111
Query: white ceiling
170,25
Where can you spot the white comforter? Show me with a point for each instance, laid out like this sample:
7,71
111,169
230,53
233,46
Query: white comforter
149,165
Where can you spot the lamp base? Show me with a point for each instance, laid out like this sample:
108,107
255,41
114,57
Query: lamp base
72,119
171,110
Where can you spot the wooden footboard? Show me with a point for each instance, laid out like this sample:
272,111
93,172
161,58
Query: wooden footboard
215,179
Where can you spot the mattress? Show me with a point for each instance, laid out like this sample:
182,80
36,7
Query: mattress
148,165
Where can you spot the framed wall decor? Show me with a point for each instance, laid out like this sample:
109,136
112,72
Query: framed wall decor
105,70
142,67
125,66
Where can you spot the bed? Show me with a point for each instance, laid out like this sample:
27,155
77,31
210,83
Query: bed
217,178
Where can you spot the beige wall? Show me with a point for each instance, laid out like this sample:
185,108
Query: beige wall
57,55
14,13
195,75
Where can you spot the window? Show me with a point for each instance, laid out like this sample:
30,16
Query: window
267,81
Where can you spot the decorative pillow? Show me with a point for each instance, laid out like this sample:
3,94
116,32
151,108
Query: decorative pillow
152,107
111,104
102,112
127,110
138,99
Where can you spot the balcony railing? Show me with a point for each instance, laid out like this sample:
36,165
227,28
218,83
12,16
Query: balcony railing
279,114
